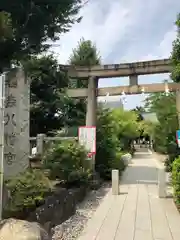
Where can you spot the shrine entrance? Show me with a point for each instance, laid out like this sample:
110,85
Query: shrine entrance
131,70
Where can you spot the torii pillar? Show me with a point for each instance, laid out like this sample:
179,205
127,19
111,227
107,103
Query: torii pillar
133,80
91,102
91,110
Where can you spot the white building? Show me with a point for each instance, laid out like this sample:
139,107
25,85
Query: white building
112,102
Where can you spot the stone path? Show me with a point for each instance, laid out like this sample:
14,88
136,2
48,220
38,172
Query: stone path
137,213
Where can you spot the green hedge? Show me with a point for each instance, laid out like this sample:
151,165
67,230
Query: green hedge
176,180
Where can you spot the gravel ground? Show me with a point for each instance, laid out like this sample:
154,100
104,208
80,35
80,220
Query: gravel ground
71,229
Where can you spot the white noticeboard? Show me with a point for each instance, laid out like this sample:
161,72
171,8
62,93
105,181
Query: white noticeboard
87,138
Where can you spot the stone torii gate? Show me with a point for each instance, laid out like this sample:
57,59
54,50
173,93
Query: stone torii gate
132,70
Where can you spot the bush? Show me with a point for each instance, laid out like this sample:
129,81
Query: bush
79,177
118,163
65,161
107,145
105,169
176,180
164,142
173,153
169,161
28,190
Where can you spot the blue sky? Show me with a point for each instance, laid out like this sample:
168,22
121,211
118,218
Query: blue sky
125,31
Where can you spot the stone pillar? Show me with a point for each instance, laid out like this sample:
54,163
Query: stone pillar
40,143
133,80
16,123
115,182
91,110
178,106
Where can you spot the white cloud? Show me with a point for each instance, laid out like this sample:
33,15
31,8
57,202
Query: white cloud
105,32
165,46
124,31
163,50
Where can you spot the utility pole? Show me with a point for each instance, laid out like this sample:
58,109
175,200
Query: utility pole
2,108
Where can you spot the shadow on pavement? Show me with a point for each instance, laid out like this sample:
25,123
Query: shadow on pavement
140,174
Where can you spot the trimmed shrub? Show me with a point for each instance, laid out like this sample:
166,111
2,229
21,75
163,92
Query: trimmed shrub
176,180
65,161
27,191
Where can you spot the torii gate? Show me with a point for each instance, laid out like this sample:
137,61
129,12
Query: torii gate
132,70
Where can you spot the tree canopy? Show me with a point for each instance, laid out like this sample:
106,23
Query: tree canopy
128,125
47,94
51,108
26,26
165,131
139,110
85,54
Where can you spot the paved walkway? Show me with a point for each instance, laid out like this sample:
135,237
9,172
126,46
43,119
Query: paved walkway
137,213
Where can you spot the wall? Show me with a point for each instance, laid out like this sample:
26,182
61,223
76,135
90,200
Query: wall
58,207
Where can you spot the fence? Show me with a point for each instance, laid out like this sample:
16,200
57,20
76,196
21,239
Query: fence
41,142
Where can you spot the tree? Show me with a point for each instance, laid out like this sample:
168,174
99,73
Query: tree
25,26
47,94
51,108
146,129
139,110
85,54
128,126
5,26
175,56
107,143
164,133
165,108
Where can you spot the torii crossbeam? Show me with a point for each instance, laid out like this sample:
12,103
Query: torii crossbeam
133,70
